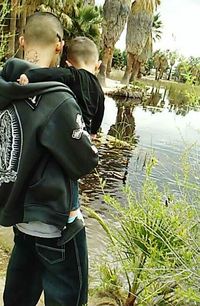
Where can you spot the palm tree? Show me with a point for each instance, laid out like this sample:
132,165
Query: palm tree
172,57
143,57
76,17
157,27
139,33
148,48
115,14
160,64
86,22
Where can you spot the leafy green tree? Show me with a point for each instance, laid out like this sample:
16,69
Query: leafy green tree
149,65
188,71
119,59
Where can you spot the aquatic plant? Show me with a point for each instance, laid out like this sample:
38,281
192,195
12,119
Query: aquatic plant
154,246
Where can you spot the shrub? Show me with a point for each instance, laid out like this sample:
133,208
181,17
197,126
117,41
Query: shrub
155,248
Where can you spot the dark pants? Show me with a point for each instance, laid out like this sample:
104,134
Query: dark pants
38,264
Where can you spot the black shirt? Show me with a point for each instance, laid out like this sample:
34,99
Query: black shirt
84,85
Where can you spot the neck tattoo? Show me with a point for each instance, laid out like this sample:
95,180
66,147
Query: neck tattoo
32,56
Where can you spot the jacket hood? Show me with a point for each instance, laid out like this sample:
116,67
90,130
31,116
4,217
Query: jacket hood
11,91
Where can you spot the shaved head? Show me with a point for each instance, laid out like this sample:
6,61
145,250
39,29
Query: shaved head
43,29
82,49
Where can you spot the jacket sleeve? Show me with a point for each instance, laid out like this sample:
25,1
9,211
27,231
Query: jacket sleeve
63,75
65,138
97,119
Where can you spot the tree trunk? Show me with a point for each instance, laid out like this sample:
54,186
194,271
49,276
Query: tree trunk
23,16
135,70
115,13
13,23
129,67
139,34
109,64
156,75
130,301
103,68
169,75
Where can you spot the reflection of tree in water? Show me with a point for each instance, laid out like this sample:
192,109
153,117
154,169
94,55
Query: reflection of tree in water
158,100
124,127
112,169
154,101
113,159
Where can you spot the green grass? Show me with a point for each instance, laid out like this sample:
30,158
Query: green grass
116,74
155,249
172,84
180,94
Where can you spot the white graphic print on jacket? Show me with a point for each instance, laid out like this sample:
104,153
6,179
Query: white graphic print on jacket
10,144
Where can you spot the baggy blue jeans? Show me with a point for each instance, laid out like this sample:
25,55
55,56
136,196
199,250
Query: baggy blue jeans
38,264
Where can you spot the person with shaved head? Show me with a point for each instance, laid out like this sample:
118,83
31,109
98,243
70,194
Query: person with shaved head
44,150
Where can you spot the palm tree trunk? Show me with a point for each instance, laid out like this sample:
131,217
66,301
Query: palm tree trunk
129,67
135,71
169,75
115,14
103,68
139,34
156,75
109,64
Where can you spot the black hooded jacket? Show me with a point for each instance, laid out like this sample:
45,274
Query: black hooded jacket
44,149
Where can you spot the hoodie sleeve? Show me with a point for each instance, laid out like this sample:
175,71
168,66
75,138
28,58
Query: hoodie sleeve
58,74
97,119
64,136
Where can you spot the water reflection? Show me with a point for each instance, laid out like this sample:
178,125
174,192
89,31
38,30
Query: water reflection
153,127
167,98
124,127
112,170
115,153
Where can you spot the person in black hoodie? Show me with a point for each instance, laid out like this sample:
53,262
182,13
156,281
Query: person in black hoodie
82,60
44,150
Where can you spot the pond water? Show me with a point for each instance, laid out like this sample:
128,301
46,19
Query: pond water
155,128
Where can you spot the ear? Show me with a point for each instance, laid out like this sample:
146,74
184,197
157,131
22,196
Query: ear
98,64
21,41
59,46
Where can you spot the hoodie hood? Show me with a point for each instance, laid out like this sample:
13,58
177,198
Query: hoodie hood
11,91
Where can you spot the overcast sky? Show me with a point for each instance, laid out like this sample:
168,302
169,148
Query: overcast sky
181,25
